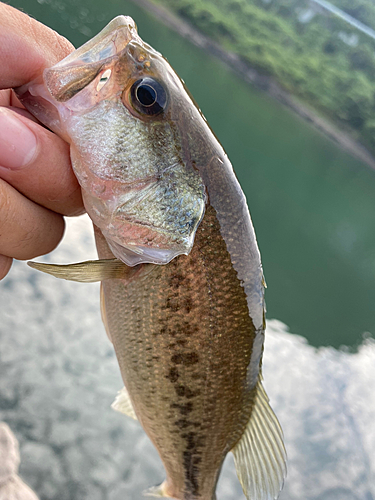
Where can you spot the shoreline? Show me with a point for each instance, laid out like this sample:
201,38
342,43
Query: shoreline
264,83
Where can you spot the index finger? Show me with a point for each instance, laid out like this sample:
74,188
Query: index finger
33,160
27,47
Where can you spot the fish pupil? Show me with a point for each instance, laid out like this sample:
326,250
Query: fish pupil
148,96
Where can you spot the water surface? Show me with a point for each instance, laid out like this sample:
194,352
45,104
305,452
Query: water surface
313,210
311,203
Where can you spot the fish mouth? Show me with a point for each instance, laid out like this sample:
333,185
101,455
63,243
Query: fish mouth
71,75
112,40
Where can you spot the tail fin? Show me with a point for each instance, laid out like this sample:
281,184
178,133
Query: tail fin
260,456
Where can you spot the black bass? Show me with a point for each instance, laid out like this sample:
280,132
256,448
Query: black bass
182,284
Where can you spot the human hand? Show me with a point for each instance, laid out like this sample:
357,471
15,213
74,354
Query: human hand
37,183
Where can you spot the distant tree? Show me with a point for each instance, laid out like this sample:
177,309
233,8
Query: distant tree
308,59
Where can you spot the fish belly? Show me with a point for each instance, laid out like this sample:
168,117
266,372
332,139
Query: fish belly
183,338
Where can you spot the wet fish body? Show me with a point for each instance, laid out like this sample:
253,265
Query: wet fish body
182,282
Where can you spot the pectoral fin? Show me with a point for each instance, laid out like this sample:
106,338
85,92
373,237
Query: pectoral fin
123,404
260,456
85,272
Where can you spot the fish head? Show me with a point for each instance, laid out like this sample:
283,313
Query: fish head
130,123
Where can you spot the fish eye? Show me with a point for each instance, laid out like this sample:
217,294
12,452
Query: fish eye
148,96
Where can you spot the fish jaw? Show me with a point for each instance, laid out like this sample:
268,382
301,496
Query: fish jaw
139,185
45,96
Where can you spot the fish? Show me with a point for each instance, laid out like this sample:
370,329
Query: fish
182,285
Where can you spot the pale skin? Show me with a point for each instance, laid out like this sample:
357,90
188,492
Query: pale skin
37,184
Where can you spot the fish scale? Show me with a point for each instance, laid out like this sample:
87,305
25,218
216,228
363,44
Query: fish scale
188,332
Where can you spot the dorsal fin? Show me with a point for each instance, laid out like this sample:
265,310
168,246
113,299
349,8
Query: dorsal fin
260,455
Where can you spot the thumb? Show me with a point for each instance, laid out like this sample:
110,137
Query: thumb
36,163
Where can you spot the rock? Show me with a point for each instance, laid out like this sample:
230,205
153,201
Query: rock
16,489
60,376
11,485
41,467
9,454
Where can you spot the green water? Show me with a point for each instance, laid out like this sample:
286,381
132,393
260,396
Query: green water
312,204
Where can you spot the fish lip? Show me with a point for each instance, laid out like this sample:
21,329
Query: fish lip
108,43
106,46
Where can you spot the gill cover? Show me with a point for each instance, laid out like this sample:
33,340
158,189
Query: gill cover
119,104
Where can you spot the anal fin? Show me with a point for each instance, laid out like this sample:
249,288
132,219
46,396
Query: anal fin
260,455
161,491
156,491
123,404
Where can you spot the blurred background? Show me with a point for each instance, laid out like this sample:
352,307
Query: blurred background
306,165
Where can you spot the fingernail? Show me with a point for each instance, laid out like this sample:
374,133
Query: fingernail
17,142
